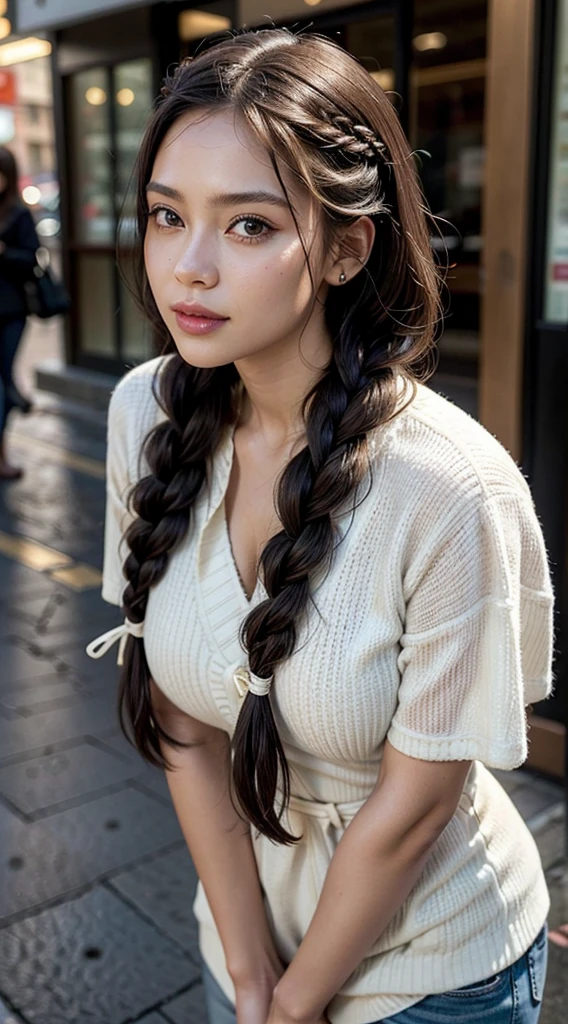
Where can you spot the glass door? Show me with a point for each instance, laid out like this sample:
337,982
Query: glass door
107,110
447,98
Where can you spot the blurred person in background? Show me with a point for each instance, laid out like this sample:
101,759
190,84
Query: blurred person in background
18,244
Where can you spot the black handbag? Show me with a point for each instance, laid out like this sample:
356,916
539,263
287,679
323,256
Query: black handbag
44,296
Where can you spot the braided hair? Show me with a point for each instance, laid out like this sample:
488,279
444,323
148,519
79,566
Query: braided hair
319,114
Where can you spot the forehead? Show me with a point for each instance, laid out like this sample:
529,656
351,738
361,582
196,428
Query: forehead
210,151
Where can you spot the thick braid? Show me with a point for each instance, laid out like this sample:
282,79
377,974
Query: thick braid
177,451
347,402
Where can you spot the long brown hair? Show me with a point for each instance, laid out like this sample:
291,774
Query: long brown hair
319,114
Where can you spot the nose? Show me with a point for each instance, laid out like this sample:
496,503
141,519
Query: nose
197,265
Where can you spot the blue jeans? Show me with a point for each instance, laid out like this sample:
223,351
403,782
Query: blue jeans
513,996
11,330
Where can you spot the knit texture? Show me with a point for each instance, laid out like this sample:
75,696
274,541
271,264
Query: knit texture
433,628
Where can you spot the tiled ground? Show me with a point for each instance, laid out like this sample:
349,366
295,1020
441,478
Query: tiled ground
96,884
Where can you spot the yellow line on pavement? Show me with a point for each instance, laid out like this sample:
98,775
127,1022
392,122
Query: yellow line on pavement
47,560
82,463
40,557
79,577
31,553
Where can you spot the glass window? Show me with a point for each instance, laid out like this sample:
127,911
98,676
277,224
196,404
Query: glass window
96,303
34,157
135,329
133,97
132,102
372,42
91,157
556,281
447,99
109,108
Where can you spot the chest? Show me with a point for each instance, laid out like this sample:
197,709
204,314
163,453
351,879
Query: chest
249,505
335,696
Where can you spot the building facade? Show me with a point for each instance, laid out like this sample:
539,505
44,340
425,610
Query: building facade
477,93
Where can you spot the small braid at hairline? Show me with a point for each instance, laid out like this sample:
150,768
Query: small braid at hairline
177,451
346,403
335,131
356,139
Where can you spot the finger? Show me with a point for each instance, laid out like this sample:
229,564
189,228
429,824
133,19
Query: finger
559,936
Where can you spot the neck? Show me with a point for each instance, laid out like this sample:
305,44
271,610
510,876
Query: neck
276,383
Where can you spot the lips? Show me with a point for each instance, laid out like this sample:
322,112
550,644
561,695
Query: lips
194,319
195,309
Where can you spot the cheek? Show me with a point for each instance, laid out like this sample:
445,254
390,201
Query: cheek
149,259
157,268
276,277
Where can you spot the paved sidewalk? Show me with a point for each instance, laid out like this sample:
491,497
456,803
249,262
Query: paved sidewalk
96,884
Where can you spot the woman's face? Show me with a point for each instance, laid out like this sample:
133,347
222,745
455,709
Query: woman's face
220,235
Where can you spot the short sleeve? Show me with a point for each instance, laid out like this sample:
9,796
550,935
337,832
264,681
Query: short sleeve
478,637
118,484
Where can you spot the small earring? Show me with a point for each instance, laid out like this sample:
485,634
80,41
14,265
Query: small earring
342,278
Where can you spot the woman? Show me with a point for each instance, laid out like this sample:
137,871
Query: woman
18,244
336,593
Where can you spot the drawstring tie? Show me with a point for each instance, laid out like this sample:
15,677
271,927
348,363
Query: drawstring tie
101,644
326,812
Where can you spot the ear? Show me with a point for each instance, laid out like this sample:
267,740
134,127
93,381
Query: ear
352,252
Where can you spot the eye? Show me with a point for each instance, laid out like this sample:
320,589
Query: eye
254,228
162,221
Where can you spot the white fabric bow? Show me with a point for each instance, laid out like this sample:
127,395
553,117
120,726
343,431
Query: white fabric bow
101,644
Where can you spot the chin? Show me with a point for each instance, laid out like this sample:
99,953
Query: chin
205,354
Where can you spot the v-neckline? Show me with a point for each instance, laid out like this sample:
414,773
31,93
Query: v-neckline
227,537
228,457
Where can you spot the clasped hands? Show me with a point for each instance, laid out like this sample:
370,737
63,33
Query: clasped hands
259,1005
278,1015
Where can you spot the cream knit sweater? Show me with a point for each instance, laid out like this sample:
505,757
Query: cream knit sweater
433,627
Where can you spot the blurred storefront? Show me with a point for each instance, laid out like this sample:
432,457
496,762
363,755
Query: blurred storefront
473,84
27,129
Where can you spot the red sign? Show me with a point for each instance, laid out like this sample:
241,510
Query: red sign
560,271
7,88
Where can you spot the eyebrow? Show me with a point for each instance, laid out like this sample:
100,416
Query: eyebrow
222,198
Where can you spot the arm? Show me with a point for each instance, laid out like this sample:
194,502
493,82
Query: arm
221,849
376,864
477,643
20,259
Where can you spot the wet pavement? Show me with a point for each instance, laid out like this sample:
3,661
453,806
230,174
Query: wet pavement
96,884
